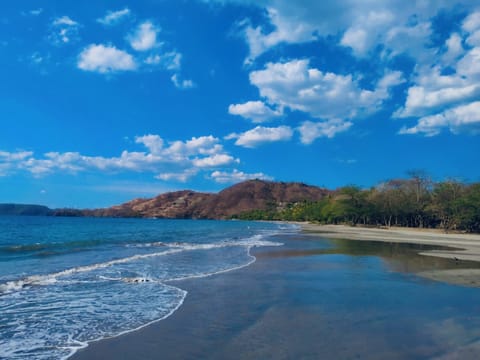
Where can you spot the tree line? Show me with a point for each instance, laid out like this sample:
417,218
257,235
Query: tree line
412,202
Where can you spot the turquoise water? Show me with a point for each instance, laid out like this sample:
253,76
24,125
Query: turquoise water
65,282
315,298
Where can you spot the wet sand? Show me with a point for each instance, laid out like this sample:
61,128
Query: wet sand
292,304
463,246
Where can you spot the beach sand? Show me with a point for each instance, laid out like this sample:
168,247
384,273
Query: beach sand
291,305
463,246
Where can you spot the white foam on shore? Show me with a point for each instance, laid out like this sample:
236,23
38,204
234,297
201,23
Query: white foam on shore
83,345
250,262
48,279
33,347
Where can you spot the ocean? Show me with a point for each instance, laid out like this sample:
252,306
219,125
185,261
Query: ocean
65,282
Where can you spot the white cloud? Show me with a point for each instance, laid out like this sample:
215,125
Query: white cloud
182,176
327,95
412,40
114,17
472,22
144,37
10,160
182,84
356,38
235,176
474,39
69,161
171,60
285,32
469,65
105,59
64,20
64,30
363,24
154,143
256,111
366,31
6,156
215,161
310,131
261,135
432,92
175,160
421,100
203,145
446,76
454,49
463,118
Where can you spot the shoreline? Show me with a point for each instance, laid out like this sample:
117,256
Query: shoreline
462,246
249,313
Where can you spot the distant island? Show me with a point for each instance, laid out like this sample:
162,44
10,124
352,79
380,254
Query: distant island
24,209
412,202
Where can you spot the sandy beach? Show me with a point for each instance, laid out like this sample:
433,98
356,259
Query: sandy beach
306,301
463,246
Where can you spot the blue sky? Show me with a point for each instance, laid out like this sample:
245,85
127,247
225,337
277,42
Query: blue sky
111,100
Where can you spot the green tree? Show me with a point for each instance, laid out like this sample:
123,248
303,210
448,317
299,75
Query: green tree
445,205
469,209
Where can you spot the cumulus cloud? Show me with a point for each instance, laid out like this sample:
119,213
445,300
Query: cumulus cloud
203,145
454,49
359,36
167,160
114,17
442,99
10,160
256,111
63,30
261,135
463,118
310,131
412,40
363,25
6,156
144,37
215,161
445,76
284,32
105,59
235,176
154,143
472,22
324,95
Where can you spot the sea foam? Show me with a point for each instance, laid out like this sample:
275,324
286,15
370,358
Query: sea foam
53,315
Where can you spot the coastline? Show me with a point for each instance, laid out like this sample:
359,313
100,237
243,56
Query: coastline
250,313
462,246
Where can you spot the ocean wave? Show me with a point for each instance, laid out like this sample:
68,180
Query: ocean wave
52,248
54,315
171,248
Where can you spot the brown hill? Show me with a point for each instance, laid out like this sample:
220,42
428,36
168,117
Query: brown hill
242,197
258,195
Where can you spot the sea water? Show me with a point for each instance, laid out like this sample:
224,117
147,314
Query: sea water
65,282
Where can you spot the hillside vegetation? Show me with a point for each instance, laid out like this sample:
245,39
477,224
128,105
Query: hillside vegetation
413,202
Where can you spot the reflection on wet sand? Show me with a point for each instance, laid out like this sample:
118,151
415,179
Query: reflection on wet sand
398,257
